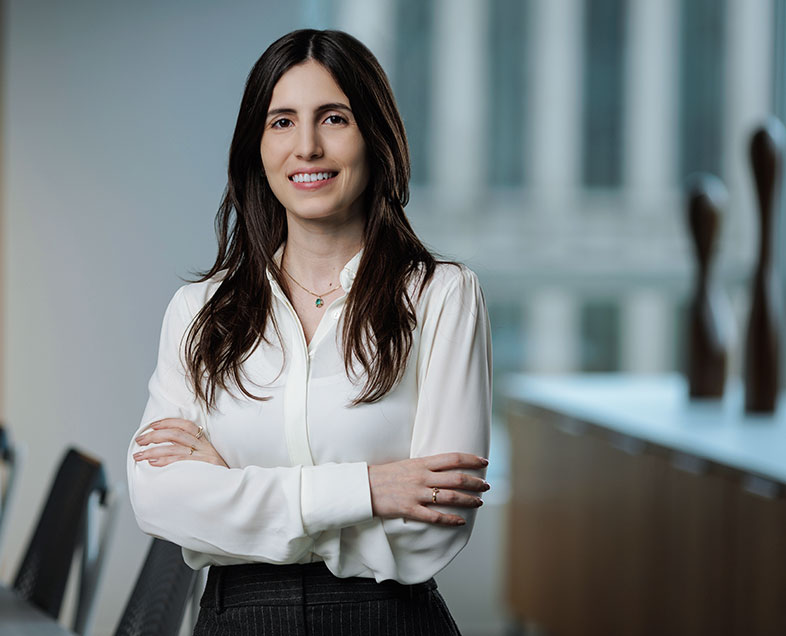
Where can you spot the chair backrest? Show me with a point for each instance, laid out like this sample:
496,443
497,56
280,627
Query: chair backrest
8,470
43,573
161,593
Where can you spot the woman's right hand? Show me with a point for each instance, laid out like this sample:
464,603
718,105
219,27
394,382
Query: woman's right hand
406,488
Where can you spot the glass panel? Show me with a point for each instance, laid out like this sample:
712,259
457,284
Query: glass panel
779,105
412,79
604,103
779,65
507,335
702,86
507,105
681,334
600,328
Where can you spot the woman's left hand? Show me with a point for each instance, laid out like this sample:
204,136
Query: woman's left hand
179,440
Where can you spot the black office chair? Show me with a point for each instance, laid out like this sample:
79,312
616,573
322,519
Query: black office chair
8,469
162,591
66,523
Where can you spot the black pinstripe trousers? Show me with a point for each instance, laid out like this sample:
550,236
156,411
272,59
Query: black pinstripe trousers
308,600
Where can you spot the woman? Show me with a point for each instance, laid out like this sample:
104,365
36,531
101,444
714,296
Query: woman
320,409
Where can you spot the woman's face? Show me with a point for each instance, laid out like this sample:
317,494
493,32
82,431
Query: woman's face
312,151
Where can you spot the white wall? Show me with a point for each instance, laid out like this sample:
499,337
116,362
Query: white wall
118,117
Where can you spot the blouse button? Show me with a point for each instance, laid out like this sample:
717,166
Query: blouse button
336,314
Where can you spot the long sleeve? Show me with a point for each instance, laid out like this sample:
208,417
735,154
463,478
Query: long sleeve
251,513
453,414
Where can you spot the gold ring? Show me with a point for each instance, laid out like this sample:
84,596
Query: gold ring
200,432
191,452
434,492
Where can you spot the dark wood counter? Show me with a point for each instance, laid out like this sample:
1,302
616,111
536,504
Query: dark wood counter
635,511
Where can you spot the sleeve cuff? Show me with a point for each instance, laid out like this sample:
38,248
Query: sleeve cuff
334,496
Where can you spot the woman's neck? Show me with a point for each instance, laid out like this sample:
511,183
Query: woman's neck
315,257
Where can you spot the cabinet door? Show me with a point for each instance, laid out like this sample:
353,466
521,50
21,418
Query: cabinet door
609,538
759,566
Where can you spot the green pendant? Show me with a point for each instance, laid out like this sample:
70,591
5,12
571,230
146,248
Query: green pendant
319,302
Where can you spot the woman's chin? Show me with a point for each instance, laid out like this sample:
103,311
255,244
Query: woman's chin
327,215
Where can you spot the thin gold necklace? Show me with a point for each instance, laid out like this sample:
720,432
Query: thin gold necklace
318,302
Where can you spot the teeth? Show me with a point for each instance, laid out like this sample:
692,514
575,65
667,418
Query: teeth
314,176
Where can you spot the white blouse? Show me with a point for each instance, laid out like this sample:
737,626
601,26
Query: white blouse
297,487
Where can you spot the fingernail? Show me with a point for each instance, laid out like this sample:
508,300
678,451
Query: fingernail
484,461
480,503
461,523
486,486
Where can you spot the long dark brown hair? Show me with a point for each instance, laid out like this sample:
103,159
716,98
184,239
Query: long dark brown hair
251,225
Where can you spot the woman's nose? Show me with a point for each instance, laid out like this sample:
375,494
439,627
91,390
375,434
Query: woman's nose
308,144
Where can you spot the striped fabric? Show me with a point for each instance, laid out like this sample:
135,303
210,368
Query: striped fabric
300,600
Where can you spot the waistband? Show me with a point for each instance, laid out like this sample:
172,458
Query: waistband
296,584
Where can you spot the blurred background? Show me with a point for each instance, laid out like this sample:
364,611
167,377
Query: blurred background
550,140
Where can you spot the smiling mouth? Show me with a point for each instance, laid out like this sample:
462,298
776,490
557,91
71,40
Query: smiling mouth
311,177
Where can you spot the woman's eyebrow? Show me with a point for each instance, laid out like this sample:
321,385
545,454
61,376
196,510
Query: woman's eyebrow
291,111
334,106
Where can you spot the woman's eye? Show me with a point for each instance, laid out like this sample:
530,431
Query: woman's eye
281,123
336,119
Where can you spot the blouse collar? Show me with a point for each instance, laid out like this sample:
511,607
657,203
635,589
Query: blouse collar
345,278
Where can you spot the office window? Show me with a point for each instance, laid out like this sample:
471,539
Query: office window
603,117
412,79
507,335
701,96
682,311
600,328
779,65
779,108
508,63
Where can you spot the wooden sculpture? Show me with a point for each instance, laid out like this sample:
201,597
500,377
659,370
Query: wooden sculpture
762,346
710,311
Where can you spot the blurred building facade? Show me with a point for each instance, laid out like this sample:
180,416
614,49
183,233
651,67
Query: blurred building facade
551,141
